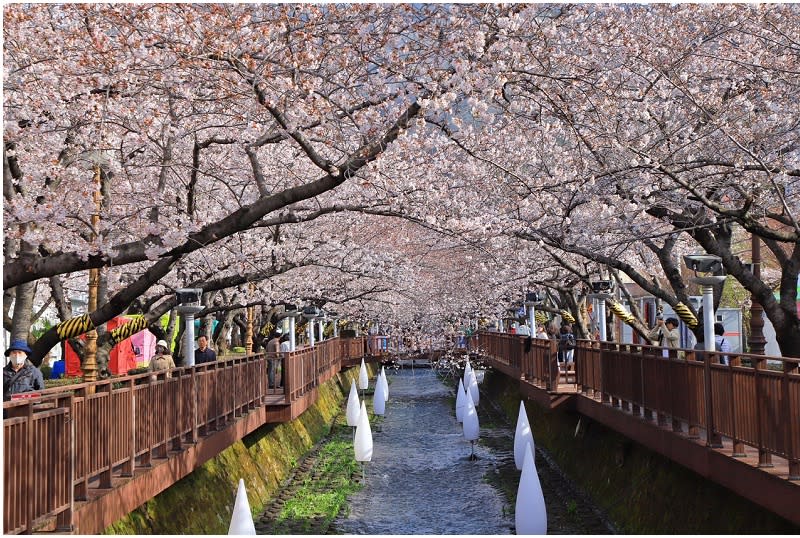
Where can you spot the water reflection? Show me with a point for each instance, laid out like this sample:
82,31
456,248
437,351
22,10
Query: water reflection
420,480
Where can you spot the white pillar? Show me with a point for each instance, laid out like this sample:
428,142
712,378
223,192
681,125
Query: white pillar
601,318
708,316
500,325
321,330
188,312
291,334
532,320
335,328
311,332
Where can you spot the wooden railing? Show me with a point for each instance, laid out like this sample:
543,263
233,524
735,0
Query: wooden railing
745,401
71,439
537,364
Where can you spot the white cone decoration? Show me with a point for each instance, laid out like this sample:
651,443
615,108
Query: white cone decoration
353,406
363,379
385,384
378,400
461,402
241,519
473,388
522,436
472,426
363,442
467,370
531,513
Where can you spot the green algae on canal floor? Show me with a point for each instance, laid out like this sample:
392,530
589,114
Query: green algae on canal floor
318,491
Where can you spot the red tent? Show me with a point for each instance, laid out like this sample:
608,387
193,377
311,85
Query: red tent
122,359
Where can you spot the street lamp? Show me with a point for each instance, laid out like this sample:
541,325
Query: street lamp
292,314
188,305
532,298
309,313
714,274
602,292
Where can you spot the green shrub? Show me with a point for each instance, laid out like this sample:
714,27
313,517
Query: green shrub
238,349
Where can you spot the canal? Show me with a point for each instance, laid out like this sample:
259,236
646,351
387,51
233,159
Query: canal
421,479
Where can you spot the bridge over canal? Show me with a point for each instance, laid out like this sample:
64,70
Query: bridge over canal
77,459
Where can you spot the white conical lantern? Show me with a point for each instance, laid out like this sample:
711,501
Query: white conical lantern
461,402
522,437
363,379
241,519
471,424
353,406
378,400
473,388
385,384
467,370
363,441
531,513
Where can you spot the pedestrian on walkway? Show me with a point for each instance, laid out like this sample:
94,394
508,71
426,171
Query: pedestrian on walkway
203,353
566,345
162,360
666,334
19,375
273,347
720,343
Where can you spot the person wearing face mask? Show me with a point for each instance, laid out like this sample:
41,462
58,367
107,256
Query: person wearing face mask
19,375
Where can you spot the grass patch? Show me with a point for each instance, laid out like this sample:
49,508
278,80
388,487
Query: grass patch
321,496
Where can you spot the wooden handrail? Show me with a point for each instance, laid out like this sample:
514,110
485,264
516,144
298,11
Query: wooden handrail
744,400
69,439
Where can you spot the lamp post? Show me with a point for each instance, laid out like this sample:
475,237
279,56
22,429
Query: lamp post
602,290
321,319
715,275
531,300
292,314
188,305
310,313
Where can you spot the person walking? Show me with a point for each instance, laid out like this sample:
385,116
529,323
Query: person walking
273,347
720,343
566,345
203,353
19,375
162,360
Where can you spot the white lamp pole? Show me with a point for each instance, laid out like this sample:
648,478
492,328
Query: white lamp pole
291,334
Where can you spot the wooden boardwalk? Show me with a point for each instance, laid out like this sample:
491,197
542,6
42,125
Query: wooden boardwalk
671,404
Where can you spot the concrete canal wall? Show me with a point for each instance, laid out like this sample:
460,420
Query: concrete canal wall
202,502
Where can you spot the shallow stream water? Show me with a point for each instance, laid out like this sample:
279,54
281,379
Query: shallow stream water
421,479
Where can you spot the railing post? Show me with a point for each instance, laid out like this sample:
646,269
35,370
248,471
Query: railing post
764,457
738,445
30,486
129,466
195,395
64,521
713,439
791,418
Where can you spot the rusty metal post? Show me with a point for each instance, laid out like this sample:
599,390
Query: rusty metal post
248,340
90,356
